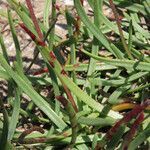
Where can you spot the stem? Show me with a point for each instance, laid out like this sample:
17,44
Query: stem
72,116
95,46
58,69
52,32
33,17
27,132
37,52
121,63
70,97
73,50
123,106
132,131
52,74
120,29
16,42
4,50
128,117
138,88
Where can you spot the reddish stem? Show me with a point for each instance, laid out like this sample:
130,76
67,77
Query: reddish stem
118,21
129,116
62,100
33,17
57,7
33,37
82,1
78,22
27,132
45,70
70,97
133,129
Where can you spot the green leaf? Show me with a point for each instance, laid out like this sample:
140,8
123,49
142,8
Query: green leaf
3,48
114,97
94,142
128,64
46,12
93,28
16,41
96,121
36,98
15,114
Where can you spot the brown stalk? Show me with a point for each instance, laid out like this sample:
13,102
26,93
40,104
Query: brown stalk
78,23
41,43
27,132
70,97
52,55
118,21
44,40
133,130
33,17
128,117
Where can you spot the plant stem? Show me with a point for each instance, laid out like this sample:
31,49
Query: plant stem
33,17
73,119
37,51
120,29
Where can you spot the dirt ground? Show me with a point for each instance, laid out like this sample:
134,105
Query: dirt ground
26,44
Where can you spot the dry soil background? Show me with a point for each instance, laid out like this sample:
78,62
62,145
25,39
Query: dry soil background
25,42
27,46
